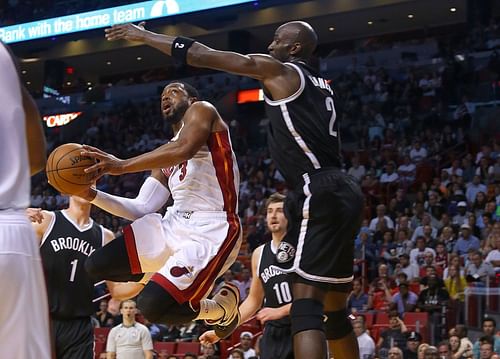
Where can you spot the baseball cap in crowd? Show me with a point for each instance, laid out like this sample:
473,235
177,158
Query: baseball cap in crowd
465,226
246,335
415,336
462,204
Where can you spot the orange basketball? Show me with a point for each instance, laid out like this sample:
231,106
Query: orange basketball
65,167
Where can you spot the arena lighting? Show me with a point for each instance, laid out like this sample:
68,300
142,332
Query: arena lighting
247,96
60,119
106,17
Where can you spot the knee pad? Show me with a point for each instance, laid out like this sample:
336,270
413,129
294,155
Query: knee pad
337,324
306,314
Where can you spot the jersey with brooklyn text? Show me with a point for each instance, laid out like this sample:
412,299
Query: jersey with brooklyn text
64,249
303,128
277,285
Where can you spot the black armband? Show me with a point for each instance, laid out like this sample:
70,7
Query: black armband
180,47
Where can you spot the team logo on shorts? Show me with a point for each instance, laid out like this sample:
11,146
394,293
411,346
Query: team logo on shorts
285,253
180,269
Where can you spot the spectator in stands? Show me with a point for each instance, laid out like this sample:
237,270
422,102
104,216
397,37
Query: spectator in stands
465,347
365,342
486,350
455,284
410,269
191,356
474,188
417,152
431,353
403,244
358,300
246,346
104,317
356,170
405,300
466,241
448,238
237,354
413,341
493,256
417,254
395,353
444,350
426,221
379,295
433,298
455,169
244,283
389,176
381,217
129,339
441,259
489,332
478,271
461,217
407,172
421,350
429,263
394,336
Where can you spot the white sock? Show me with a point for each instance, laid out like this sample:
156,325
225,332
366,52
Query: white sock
209,309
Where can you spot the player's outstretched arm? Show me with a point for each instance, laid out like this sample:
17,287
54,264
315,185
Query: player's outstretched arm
258,66
40,221
198,121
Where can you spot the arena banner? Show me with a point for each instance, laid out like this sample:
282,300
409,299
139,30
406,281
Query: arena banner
106,17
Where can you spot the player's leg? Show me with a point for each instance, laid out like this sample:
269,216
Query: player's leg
141,249
74,338
112,262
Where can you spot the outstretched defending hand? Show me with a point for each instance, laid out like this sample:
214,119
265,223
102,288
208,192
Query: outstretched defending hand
106,163
35,215
129,32
209,337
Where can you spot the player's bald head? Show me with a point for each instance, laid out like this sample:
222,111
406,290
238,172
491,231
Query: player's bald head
302,35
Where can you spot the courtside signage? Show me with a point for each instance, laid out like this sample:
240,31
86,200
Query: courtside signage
61,119
106,17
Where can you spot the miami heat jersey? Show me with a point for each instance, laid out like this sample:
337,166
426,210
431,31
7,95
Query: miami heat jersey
64,249
210,180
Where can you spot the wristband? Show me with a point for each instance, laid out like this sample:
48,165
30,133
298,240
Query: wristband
180,47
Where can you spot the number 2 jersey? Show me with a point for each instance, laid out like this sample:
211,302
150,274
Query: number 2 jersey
64,249
277,285
303,130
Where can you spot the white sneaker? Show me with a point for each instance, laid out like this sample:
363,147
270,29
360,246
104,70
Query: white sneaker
228,297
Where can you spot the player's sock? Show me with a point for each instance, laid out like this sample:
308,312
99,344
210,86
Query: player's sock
210,310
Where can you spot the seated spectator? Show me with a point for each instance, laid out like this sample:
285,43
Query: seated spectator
417,254
432,299
413,341
407,172
358,300
455,169
493,256
389,176
405,300
394,336
381,217
466,241
430,263
104,317
462,216
403,244
365,342
395,353
419,231
478,271
465,347
444,350
454,261
431,353
417,152
474,188
488,325
410,269
356,170
379,295
421,350
486,349
245,347
455,284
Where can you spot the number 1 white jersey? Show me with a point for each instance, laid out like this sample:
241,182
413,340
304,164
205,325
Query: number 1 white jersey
210,180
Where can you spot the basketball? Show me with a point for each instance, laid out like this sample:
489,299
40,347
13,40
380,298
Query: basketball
65,169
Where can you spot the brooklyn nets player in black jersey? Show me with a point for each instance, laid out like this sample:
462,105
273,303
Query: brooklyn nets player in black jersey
324,205
271,287
67,238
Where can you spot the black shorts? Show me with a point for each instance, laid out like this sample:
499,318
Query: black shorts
324,217
276,342
74,338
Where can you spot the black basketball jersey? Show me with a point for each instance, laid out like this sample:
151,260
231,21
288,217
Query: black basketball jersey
277,285
64,250
303,130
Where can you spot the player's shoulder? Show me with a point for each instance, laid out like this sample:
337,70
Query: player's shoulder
202,106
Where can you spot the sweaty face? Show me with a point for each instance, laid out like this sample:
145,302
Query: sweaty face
174,102
282,43
276,220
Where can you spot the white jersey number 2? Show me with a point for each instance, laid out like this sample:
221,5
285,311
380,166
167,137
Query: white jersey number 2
330,106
